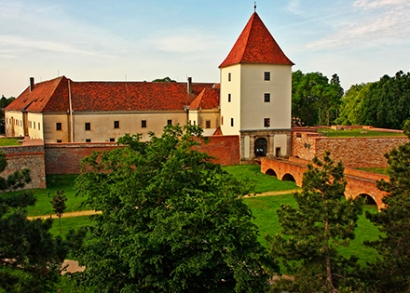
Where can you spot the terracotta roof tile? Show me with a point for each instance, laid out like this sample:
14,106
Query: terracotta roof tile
51,93
207,99
52,96
256,45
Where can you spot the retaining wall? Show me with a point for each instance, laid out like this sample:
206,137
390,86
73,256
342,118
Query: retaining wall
353,152
31,157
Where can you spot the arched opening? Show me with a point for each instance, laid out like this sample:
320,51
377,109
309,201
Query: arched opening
368,199
271,173
261,147
288,177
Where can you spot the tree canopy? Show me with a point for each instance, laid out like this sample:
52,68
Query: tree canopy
172,221
315,99
312,231
165,79
30,258
385,103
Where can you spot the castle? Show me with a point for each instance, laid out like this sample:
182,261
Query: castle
252,101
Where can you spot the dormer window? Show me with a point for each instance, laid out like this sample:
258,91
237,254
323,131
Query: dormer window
267,76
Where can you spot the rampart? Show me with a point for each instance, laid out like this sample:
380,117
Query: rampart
31,157
65,158
363,152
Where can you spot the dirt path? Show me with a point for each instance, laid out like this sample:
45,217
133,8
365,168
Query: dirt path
89,212
273,193
66,215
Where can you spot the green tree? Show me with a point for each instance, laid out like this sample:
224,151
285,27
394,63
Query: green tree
172,221
315,100
59,205
391,273
312,231
165,79
30,258
3,104
351,108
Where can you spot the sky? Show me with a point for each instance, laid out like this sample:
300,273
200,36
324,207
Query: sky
134,40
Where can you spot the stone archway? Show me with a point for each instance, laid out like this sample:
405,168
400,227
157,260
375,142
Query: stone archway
288,177
368,199
271,173
261,147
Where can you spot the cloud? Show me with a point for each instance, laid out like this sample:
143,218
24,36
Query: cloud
21,45
183,42
390,25
294,7
374,4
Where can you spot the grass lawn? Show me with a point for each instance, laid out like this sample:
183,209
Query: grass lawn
10,141
382,171
357,133
264,209
44,196
261,182
67,224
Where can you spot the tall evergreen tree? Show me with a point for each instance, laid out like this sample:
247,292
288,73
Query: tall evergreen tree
30,258
392,272
312,231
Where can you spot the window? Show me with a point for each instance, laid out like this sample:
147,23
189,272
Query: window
59,140
266,122
116,124
39,126
58,126
267,76
169,122
88,140
87,126
229,98
267,97
208,124
143,123
112,139
232,122
229,76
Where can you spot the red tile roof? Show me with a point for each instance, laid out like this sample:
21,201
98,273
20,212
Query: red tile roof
256,45
53,96
207,99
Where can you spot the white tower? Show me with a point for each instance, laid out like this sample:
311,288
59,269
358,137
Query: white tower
256,93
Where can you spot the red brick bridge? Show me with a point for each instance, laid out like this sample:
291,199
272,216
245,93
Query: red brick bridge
359,183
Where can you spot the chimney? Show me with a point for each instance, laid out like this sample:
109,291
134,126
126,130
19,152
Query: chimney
189,85
31,84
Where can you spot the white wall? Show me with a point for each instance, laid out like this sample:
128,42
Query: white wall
231,109
253,87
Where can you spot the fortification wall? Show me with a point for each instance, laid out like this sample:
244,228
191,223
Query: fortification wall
31,157
353,152
65,158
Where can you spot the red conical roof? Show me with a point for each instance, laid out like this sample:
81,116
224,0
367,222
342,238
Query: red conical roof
256,45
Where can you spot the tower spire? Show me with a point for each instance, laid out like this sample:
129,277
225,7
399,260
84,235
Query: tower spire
254,6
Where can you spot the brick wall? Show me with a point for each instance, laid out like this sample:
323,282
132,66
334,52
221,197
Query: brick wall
64,158
31,157
224,148
353,152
